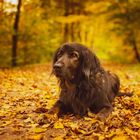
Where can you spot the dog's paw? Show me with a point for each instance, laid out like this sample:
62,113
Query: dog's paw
53,110
101,116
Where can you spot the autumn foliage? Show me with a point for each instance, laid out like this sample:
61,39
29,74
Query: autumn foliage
30,33
31,30
27,93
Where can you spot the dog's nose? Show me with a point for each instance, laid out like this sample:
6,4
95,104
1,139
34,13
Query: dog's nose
58,65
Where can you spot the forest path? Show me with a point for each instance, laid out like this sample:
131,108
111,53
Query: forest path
27,93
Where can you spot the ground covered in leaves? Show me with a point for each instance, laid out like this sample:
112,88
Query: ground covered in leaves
27,93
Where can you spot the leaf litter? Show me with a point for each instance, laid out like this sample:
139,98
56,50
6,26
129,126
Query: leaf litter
27,93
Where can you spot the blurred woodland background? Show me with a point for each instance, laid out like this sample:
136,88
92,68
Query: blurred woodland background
31,30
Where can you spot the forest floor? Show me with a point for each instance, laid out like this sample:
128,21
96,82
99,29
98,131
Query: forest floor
27,93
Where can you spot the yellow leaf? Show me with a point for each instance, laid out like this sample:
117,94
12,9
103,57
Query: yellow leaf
39,130
120,138
90,114
6,123
95,120
82,131
74,126
46,125
136,123
47,96
36,137
87,118
129,131
58,125
58,138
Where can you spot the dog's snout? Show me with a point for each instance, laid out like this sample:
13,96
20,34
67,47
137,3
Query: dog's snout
58,65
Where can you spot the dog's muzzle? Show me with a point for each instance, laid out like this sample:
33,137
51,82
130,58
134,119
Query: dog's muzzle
57,68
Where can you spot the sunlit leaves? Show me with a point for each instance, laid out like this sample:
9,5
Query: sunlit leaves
97,7
58,125
70,19
26,95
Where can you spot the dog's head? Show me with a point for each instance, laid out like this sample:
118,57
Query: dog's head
73,60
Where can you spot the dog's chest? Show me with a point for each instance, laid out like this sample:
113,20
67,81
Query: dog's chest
68,95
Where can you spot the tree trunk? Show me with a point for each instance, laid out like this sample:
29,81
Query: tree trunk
72,32
15,34
78,12
66,26
25,50
78,33
72,25
66,32
132,36
137,55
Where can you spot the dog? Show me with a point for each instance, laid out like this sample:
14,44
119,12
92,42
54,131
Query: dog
84,83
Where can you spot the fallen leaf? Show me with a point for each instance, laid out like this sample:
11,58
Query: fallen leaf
121,138
36,137
39,130
58,125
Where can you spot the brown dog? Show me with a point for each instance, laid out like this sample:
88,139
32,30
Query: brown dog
84,83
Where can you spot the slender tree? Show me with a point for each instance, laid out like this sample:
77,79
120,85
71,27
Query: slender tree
126,18
66,13
15,34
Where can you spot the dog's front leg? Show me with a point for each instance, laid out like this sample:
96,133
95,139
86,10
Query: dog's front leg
104,113
59,108
79,108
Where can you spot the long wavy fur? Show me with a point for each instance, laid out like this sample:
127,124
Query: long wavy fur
94,89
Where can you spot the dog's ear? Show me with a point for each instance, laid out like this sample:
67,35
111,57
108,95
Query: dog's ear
89,63
55,55
54,59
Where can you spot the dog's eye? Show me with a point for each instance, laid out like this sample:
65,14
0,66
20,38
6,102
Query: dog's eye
73,54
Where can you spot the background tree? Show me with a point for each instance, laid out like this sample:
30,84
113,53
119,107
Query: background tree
15,34
125,15
45,24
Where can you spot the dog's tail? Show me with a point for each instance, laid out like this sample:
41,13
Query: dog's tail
129,94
